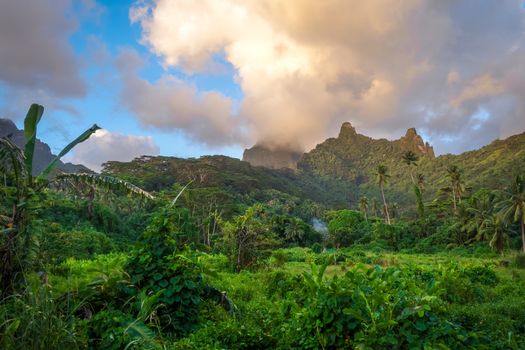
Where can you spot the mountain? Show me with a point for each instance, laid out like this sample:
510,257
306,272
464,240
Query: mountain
43,155
352,156
337,172
349,145
279,158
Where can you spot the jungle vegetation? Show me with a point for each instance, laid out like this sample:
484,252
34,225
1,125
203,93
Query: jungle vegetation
404,252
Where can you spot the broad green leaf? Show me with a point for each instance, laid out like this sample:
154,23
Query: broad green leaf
30,128
83,137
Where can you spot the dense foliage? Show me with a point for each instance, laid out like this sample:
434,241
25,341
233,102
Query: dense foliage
228,256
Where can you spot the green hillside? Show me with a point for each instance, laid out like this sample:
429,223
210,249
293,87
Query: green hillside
336,173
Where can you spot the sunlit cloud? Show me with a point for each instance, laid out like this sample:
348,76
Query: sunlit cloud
305,67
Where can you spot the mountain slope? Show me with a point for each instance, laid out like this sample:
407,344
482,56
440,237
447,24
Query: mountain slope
43,155
354,158
337,172
233,175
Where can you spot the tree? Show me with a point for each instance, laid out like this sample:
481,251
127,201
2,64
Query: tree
480,223
420,181
394,209
246,238
18,163
456,186
346,226
499,236
363,206
382,177
410,159
375,206
512,207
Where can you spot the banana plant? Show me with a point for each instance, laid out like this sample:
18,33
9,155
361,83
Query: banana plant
18,164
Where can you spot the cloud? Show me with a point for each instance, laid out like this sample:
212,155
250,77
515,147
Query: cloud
304,67
37,61
104,146
173,104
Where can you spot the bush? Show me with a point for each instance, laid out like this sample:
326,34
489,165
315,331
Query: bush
316,248
156,265
346,227
519,261
80,244
369,308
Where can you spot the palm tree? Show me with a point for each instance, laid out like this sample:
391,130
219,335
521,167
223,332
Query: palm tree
382,177
456,186
512,207
394,208
363,206
410,159
481,220
375,206
499,230
420,181
418,191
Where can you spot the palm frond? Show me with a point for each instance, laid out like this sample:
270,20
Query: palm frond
107,182
11,159
83,137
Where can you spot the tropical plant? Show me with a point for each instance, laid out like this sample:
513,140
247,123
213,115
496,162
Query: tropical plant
375,206
18,239
456,185
158,265
17,236
247,238
382,177
363,206
512,207
410,159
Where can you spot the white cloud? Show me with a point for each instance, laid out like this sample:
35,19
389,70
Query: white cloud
104,146
306,66
171,104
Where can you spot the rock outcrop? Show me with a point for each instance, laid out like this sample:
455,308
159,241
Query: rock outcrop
413,142
274,159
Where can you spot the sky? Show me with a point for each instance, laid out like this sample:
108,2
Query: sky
187,78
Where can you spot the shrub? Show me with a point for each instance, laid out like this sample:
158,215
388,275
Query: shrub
369,308
156,265
316,248
519,261
347,226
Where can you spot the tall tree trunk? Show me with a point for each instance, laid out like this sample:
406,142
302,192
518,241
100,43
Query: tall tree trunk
386,207
454,199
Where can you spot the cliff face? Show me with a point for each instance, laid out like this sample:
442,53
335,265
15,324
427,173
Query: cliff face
273,159
354,157
43,155
348,147
413,142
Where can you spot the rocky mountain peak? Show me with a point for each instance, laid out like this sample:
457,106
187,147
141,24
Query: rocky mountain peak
347,129
413,142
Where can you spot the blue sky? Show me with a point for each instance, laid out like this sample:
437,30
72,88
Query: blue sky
110,28
185,78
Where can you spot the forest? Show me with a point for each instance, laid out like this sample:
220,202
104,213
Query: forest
402,251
